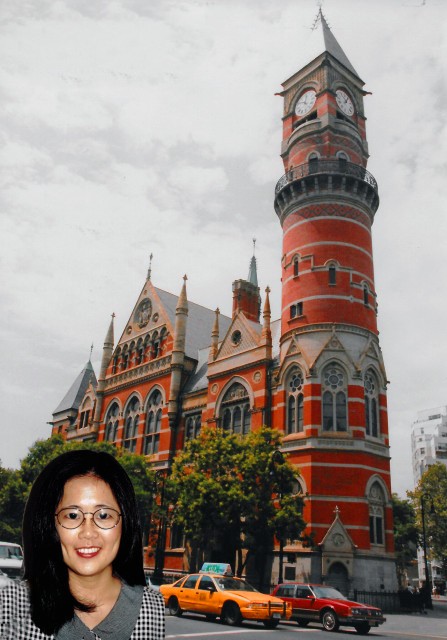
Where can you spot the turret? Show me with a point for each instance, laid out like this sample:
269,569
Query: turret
178,353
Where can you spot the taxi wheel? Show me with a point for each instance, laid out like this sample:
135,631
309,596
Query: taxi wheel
232,615
174,607
270,624
329,620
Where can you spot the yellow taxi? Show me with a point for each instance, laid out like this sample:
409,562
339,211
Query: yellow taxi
214,592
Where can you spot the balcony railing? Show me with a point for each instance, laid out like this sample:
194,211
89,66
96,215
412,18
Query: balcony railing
327,167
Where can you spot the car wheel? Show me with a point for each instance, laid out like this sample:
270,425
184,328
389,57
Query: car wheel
270,624
302,623
363,628
329,620
232,615
210,617
174,607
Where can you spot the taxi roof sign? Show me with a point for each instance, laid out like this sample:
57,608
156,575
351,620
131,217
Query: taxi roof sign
222,568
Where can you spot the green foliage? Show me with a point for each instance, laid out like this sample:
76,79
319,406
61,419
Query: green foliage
432,490
231,492
406,535
15,485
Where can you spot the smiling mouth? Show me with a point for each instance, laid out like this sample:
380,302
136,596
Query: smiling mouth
88,552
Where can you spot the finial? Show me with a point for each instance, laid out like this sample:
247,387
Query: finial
113,316
217,311
91,351
336,510
149,271
185,278
254,246
267,289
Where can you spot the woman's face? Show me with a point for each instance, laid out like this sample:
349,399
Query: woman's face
88,550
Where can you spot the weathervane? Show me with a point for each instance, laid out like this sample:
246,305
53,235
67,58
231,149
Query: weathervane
149,271
254,245
91,351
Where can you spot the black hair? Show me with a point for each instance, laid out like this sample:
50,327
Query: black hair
52,603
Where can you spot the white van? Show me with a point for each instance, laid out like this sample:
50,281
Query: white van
11,559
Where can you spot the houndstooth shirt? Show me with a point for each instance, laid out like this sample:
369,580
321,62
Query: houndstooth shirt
16,623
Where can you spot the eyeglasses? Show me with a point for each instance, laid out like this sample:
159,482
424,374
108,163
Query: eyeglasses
72,517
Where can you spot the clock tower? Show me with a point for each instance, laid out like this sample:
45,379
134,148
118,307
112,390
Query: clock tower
331,381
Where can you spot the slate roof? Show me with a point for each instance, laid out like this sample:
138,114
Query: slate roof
75,394
199,324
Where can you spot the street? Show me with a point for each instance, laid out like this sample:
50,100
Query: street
432,626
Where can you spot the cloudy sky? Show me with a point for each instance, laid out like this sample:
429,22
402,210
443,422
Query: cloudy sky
138,126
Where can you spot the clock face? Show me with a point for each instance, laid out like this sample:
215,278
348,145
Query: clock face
344,102
306,102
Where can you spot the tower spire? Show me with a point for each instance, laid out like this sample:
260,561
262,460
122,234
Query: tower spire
149,271
252,272
106,357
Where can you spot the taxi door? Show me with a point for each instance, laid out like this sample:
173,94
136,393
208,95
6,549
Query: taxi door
208,598
187,593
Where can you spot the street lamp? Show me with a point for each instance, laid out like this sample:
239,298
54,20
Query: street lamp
427,588
161,533
278,458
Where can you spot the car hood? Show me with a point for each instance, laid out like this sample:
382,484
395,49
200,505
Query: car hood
348,603
253,596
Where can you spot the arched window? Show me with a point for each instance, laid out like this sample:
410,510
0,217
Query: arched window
296,266
332,274
155,345
334,399
365,295
192,426
372,419
235,410
295,400
125,359
342,161
140,352
112,422
376,501
313,163
131,419
153,424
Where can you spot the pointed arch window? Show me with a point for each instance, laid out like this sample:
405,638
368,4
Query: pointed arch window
372,415
131,420
125,359
376,501
112,417
235,410
192,426
139,352
295,400
153,424
334,399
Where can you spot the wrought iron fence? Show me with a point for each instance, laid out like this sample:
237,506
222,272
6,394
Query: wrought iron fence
388,601
318,167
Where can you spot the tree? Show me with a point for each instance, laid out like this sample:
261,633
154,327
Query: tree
406,536
232,493
432,490
15,489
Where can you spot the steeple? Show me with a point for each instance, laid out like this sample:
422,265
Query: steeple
325,41
252,272
246,296
106,357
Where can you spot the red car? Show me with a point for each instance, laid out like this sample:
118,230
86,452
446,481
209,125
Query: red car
324,604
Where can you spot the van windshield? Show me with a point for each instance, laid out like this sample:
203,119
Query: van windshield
8,552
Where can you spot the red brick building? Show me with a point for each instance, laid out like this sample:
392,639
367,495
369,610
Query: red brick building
316,374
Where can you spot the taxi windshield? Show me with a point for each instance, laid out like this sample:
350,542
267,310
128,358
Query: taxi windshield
233,584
